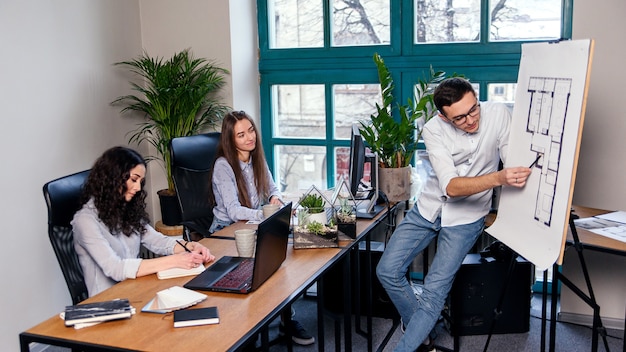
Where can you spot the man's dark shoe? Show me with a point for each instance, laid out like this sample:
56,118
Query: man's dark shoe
298,334
430,347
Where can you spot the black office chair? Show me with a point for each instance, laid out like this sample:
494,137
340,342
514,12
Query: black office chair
63,200
192,161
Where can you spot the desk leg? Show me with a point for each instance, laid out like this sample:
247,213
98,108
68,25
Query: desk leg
347,300
24,344
367,292
320,315
265,340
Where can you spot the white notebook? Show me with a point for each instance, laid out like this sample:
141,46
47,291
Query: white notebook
179,272
173,298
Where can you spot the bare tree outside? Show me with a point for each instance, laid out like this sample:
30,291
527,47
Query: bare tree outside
361,22
300,109
450,21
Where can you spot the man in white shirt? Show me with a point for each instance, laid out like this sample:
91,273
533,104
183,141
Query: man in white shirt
465,144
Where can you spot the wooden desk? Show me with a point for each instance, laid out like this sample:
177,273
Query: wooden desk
593,240
241,316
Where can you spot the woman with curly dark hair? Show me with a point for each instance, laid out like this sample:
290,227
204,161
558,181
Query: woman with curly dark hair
113,224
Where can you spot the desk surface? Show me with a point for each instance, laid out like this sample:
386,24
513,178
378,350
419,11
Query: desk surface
240,315
589,238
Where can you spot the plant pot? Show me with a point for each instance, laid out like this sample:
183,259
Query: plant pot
395,183
170,208
319,217
347,228
305,239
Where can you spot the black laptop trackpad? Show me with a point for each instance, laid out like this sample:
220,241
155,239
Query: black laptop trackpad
214,272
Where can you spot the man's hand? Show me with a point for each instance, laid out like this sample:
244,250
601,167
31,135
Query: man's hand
515,176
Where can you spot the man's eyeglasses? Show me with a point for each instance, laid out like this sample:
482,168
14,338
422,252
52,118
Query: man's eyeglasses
473,112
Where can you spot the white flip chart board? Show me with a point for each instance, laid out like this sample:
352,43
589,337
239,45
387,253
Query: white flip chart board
547,120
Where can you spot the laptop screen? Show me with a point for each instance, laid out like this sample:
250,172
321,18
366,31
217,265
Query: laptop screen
272,239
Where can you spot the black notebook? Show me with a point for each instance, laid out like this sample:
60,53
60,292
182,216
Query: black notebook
97,312
244,275
197,316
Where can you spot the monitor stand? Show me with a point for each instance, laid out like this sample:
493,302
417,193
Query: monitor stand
365,213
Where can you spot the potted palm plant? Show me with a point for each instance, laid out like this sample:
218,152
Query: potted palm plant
393,132
178,97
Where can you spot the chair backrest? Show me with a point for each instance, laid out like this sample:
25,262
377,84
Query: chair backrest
63,200
192,161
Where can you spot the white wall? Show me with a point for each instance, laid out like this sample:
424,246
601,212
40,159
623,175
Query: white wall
204,26
56,82
602,163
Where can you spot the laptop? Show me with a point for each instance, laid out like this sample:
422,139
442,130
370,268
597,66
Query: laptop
244,275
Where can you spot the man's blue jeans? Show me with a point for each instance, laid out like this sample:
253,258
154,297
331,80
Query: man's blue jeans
411,237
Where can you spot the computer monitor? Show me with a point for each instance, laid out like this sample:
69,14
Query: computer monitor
357,160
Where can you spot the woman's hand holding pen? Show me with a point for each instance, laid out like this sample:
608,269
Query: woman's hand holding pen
195,254
202,250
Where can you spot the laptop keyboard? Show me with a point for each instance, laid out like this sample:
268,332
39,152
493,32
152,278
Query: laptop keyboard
240,277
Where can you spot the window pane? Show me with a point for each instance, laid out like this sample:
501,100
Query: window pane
295,24
352,103
299,111
361,22
300,167
416,92
525,19
502,92
447,21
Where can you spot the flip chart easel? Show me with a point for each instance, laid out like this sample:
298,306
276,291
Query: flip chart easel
547,120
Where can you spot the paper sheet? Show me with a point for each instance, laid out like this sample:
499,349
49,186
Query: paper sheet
611,225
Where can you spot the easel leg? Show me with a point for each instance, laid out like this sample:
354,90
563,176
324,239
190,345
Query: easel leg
590,299
553,303
544,309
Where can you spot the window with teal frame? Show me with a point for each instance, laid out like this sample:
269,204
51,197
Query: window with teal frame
317,76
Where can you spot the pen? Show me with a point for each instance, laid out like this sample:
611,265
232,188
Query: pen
182,245
536,160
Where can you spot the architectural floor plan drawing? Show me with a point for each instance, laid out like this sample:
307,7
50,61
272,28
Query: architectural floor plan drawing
546,122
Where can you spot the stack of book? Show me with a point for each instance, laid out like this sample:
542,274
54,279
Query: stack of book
88,314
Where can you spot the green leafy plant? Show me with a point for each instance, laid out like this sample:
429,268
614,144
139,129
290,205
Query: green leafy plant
395,139
345,207
346,212
316,228
313,203
178,97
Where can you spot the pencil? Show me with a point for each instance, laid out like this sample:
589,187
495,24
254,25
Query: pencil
182,245
536,160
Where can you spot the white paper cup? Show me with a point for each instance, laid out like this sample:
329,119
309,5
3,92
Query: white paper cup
269,209
245,240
